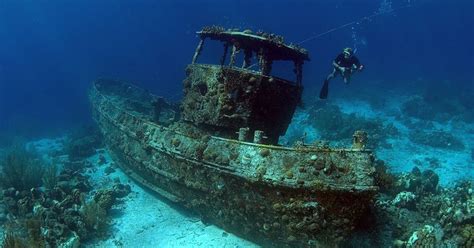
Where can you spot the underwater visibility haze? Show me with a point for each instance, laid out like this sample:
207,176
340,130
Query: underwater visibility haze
237,123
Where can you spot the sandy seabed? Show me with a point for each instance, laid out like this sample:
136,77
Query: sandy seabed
142,219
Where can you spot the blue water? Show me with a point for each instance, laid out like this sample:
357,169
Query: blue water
50,51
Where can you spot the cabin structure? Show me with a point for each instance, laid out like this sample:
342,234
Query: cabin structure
243,101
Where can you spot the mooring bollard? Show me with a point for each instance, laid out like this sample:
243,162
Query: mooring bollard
243,133
258,136
359,140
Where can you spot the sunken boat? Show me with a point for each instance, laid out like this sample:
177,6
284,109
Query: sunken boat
217,152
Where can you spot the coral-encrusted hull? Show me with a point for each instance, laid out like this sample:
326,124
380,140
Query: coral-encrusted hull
271,195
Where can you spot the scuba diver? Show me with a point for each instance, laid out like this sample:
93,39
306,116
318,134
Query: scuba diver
345,64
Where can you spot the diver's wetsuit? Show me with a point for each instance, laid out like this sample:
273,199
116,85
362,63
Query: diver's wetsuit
347,63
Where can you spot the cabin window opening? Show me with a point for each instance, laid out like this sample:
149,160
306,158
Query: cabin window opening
212,53
283,69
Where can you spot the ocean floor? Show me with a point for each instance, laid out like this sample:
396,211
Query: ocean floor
143,219
402,155
452,166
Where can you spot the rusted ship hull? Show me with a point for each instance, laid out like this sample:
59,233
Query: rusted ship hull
275,196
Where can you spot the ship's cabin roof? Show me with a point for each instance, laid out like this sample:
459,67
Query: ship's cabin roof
273,44
266,47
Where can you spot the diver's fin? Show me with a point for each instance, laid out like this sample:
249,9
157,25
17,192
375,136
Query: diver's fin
323,94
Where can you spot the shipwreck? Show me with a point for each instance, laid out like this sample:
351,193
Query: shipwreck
217,153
